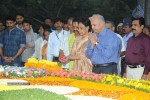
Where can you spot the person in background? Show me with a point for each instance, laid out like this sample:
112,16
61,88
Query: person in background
44,48
138,52
30,41
120,29
55,40
127,29
146,30
40,42
40,31
103,48
12,44
69,22
66,27
19,20
1,33
2,27
49,21
67,43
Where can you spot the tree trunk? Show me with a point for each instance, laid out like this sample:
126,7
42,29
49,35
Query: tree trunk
147,12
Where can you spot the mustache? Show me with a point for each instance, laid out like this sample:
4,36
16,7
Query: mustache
133,29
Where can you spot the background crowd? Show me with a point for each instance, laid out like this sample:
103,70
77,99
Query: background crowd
89,44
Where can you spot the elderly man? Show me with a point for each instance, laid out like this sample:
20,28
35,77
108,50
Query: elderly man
138,52
103,48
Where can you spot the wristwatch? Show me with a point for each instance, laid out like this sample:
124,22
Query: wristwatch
96,43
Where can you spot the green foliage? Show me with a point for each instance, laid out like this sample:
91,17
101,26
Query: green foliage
114,10
30,94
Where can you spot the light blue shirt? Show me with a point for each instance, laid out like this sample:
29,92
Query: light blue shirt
54,42
107,50
126,38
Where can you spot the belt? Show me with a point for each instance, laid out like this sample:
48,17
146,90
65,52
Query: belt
136,66
103,65
55,59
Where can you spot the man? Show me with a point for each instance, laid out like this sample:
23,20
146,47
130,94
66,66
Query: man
127,29
120,29
48,21
19,20
12,44
55,39
70,22
110,25
30,41
103,48
67,43
138,52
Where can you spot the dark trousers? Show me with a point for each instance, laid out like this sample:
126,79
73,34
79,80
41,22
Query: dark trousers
55,59
122,65
111,69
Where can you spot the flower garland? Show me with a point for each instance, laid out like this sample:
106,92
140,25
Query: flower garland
42,64
91,88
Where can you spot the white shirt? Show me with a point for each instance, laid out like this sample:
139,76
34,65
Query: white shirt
122,42
54,42
126,38
38,47
64,46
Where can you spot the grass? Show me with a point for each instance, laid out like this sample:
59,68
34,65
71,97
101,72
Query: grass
30,94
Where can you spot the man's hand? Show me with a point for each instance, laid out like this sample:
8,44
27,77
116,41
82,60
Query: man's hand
27,45
93,38
124,75
7,59
63,59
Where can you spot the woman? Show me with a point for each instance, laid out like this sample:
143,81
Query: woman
77,54
40,42
44,48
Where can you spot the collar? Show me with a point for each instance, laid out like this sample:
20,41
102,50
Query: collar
139,35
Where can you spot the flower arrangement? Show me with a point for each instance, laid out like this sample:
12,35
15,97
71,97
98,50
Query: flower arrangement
42,64
142,85
78,75
20,72
89,88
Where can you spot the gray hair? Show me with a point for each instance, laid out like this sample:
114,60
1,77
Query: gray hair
100,17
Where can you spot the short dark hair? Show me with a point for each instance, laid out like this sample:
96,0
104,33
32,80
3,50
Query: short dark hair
46,27
141,20
9,18
59,19
86,22
75,20
27,21
20,14
111,22
47,18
